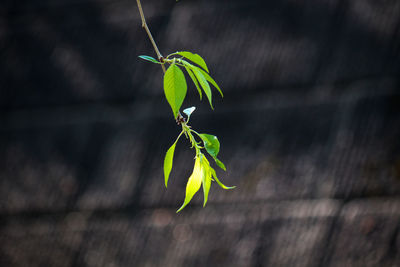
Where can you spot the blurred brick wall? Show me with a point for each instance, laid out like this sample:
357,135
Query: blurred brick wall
309,130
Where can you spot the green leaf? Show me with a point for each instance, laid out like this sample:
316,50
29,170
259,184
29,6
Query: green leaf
168,161
202,80
175,88
194,182
211,144
211,80
196,58
206,187
220,164
148,58
206,180
194,79
214,174
204,84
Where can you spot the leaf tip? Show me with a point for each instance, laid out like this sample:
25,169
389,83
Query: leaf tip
205,198
181,208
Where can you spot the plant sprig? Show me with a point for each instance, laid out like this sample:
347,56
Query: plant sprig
175,86
202,173
175,90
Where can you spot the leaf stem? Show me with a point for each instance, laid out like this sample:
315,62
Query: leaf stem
195,132
144,25
176,141
195,144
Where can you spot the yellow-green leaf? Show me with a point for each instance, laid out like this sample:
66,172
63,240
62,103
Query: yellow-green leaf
194,79
175,88
168,161
195,58
194,183
211,80
206,180
214,174
206,186
204,84
220,164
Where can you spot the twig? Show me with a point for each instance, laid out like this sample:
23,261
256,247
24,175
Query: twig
144,25
160,57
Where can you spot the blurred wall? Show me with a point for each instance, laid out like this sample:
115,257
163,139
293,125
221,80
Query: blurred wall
309,130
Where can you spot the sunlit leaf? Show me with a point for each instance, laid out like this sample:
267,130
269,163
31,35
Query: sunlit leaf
211,80
148,58
206,180
204,84
214,174
206,187
194,183
195,58
194,79
211,144
168,161
220,164
175,88
202,80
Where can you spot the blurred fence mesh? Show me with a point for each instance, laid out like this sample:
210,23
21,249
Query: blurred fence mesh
309,130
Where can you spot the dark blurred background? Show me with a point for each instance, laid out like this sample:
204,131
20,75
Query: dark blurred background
309,130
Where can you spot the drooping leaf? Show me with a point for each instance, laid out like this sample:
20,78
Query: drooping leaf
175,88
194,79
194,183
195,58
168,161
151,59
211,80
214,175
204,84
220,164
211,144
207,177
206,186
189,111
202,80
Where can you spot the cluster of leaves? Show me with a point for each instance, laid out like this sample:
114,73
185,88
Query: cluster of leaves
202,173
175,89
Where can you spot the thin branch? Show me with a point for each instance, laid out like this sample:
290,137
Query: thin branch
144,25
159,56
